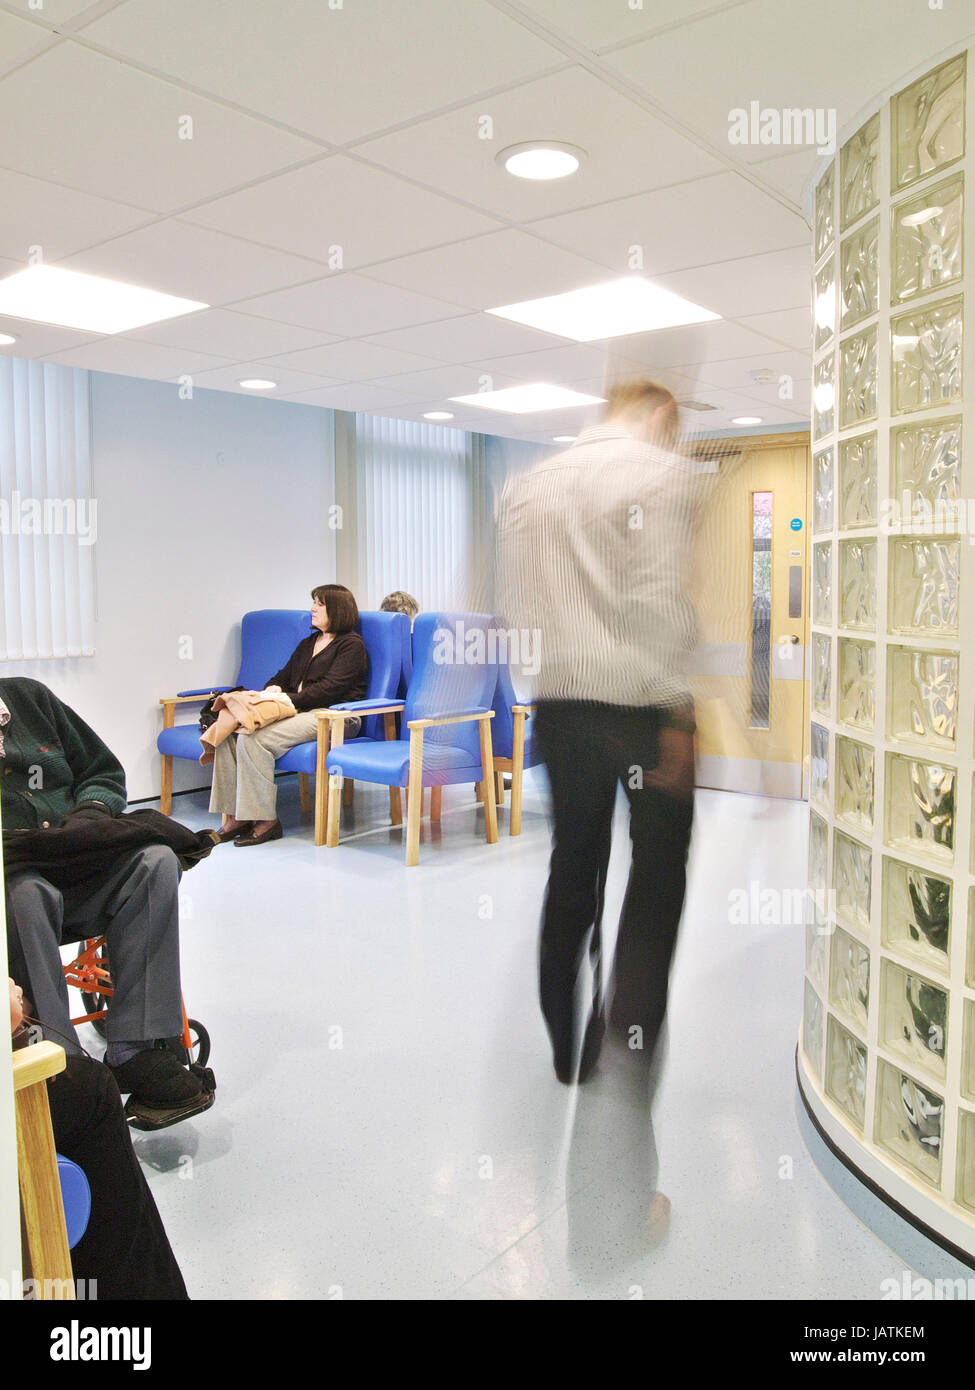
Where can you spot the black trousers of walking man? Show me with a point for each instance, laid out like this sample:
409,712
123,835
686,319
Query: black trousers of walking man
588,749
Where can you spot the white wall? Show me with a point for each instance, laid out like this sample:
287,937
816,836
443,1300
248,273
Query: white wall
206,508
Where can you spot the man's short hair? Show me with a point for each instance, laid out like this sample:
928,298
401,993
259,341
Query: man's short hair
636,398
400,602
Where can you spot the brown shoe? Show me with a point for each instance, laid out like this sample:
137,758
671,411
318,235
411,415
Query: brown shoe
241,827
276,832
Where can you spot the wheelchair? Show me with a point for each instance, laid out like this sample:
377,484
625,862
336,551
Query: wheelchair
89,973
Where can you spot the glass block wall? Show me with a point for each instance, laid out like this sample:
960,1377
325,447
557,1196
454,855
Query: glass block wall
887,1046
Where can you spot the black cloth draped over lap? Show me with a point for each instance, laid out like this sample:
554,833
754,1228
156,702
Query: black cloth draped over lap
86,847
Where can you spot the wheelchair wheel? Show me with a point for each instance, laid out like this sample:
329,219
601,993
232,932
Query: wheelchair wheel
199,1048
92,1003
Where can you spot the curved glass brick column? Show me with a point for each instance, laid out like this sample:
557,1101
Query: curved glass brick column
887,1045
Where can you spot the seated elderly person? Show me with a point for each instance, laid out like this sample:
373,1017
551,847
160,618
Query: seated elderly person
56,772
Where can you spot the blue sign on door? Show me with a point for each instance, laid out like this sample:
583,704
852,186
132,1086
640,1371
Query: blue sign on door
796,523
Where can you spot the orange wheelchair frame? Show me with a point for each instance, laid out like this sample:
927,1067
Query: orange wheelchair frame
89,973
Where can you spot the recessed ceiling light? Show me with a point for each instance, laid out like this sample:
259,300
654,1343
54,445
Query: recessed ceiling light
524,400
918,219
631,305
6,340
564,438
257,383
438,415
747,420
70,299
541,159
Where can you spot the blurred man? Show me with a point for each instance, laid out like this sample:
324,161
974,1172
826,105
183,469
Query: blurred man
593,549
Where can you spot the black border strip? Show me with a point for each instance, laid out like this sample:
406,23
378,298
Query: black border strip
962,1256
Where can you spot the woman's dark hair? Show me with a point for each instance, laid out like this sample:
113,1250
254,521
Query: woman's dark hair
341,607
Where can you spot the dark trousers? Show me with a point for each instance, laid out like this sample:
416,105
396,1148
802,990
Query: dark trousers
588,749
125,1249
136,905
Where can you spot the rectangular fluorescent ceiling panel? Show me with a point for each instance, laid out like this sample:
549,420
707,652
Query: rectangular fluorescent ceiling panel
525,400
71,299
630,305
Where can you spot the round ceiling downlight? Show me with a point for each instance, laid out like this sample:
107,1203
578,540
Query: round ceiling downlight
541,159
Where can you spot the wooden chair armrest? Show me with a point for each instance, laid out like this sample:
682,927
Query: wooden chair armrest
37,1063
184,699
523,709
449,719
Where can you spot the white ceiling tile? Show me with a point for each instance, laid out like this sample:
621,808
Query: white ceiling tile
793,327
193,262
58,220
789,172
337,73
571,362
351,306
594,23
230,334
733,375
690,224
354,360
574,107
38,339
130,358
468,338
488,271
749,285
289,381
56,13
440,382
376,400
19,39
694,344
779,55
126,144
338,202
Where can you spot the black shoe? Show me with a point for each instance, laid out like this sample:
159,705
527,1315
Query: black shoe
276,832
156,1077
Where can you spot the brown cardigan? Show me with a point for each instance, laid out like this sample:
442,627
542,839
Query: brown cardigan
334,676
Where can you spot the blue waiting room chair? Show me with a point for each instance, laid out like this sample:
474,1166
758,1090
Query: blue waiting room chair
387,640
268,636
445,734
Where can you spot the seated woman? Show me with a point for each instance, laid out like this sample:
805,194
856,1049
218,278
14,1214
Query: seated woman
328,668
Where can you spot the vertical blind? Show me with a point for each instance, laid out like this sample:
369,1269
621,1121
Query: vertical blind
48,517
421,513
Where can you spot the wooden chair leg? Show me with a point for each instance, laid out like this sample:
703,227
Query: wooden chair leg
436,800
395,806
487,767
414,799
335,789
499,788
517,773
304,791
348,791
321,784
166,789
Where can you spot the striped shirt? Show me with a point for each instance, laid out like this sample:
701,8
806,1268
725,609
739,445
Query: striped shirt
593,556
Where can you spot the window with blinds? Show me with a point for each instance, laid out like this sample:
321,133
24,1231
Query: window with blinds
48,516
420,511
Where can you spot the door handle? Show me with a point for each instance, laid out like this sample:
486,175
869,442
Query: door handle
789,637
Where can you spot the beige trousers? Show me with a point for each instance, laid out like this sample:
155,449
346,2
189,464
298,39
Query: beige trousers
243,770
